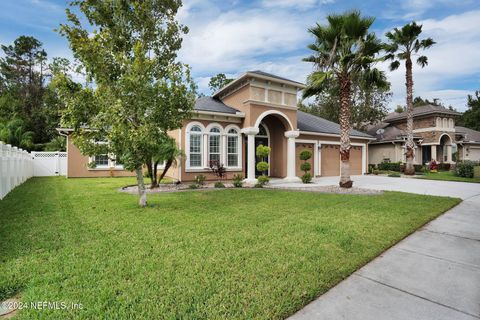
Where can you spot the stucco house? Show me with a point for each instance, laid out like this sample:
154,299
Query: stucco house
436,137
256,108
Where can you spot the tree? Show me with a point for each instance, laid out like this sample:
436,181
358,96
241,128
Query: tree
167,153
219,81
403,44
344,52
141,91
471,117
13,132
369,104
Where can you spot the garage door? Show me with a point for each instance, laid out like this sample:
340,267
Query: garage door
299,148
355,160
331,160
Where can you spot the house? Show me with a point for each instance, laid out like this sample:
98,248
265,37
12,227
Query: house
256,108
435,135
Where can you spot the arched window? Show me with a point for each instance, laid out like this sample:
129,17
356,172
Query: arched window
232,148
214,145
439,122
195,147
445,125
450,123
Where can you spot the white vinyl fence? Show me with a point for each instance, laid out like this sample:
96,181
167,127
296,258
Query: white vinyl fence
47,164
17,166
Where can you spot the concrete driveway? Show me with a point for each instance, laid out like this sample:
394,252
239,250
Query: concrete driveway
432,274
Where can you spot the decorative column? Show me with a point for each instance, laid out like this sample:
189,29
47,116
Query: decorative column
291,135
434,153
449,153
250,132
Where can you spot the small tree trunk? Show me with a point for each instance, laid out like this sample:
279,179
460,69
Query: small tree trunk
142,202
154,175
168,164
409,145
345,86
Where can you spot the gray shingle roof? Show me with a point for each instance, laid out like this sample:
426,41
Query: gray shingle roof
213,105
470,134
266,74
420,111
309,122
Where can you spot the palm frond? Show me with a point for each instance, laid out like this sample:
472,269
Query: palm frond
394,65
422,61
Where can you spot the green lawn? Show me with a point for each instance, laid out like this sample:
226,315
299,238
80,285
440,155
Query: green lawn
193,255
447,176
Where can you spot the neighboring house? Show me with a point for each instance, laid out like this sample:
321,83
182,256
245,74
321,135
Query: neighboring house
435,135
256,108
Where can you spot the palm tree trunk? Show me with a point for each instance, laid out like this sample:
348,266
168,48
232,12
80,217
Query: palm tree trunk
345,92
142,193
168,164
409,146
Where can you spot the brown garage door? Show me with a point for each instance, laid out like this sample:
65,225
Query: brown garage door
355,160
299,148
330,158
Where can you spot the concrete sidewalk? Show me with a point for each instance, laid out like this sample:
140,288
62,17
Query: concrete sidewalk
432,274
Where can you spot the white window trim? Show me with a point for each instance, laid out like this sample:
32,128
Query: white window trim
187,145
220,142
239,147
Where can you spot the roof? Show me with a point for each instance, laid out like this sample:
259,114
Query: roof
390,133
262,75
470,134
213,105
421,111
269,75
311,123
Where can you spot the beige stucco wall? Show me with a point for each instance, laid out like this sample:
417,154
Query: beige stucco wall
77,165
378,152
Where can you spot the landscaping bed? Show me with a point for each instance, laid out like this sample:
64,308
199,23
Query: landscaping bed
236,254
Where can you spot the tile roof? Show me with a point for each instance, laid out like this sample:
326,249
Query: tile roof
213,105
470,134
420,111
311,123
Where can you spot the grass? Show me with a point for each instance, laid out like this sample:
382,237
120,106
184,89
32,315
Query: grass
447,176
236,253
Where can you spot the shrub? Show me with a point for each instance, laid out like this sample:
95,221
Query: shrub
200,180
307,178
218,169
263,180
371,167
476,172
375,172
305,167
389,166
219,184
238,181
305,155
394,175
444,166
262,166
193,186
262,151
419,168
465,169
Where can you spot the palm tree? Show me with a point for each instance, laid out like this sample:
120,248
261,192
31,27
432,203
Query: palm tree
404,44
344,52
13,132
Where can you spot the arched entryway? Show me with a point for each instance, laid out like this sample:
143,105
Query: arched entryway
444,153
276,129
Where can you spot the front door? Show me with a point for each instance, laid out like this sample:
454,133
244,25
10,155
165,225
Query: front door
426,154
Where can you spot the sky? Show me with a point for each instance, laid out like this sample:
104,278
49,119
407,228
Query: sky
234,36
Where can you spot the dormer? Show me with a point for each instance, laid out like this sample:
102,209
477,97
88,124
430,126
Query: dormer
255,92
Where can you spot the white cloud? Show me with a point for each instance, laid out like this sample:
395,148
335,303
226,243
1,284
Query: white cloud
298,4
232,40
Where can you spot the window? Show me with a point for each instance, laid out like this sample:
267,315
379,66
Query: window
445,125
195,147
214,145
101,160
439,122
450,123
232,148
